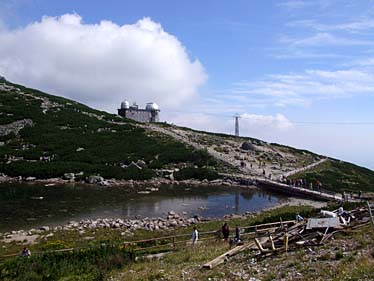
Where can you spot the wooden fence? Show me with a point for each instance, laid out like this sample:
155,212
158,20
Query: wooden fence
173,242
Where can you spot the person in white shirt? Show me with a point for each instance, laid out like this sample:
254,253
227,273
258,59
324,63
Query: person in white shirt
195,235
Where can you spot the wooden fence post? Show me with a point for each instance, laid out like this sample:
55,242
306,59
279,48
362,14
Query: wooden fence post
286,241
272,242
370,213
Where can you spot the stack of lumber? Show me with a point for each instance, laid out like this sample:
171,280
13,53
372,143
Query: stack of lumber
310,232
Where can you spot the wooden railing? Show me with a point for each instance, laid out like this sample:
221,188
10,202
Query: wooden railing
173,242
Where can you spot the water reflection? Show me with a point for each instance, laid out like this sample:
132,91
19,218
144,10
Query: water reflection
26,206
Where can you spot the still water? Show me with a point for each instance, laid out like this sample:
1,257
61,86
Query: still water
23,206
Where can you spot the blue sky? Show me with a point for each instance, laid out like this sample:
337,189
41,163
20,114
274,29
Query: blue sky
276,63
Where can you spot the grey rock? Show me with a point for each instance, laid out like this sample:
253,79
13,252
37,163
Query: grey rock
248,146
95,179
69,176
44,228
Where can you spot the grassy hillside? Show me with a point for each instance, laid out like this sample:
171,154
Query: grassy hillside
45,136
71,137
340,176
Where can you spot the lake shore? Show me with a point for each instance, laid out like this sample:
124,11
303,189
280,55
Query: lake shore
127,226
155,182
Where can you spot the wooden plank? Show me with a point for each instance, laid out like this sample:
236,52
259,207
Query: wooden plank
222,258
272,243
286,242
259,246
370,213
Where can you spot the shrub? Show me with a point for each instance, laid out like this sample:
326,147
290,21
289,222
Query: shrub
88,264
196,173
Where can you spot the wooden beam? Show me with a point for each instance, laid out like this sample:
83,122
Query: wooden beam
370,213
272,242
259,246
222,258
286,241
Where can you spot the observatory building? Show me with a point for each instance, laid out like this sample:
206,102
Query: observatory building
149,114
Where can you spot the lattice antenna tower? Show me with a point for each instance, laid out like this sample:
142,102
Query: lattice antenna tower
236,116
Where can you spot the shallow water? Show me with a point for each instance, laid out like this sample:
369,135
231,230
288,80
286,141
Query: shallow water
23,206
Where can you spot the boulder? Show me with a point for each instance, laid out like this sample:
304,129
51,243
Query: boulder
44,228
69,176
248,146
95,179
134,165
141,163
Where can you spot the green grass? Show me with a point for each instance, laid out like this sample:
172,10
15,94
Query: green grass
63,129
100,261
87,264
340,176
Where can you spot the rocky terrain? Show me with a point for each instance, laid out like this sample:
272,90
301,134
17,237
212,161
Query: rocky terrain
49,138
127,227
252,157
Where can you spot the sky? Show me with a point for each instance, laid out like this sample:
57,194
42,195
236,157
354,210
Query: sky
298,72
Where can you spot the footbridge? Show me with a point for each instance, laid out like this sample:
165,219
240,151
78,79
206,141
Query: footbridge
280,187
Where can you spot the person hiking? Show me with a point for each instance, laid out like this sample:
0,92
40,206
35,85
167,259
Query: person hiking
195,236
225,231
299,218
25,252
237,233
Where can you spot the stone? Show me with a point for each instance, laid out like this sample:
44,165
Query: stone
69,176
44,228
95,179
173,223
141,163
248,146
172,213
134,165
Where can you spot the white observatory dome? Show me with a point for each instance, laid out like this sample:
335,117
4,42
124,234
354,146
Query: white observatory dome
125,105
152,106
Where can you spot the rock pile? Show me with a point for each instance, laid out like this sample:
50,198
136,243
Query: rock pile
151,224
14,127
172,220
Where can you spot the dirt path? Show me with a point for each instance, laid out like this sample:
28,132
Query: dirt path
234,155
296,171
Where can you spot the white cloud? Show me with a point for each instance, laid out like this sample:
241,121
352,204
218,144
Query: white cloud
308,86
324,39
101,64
255,125
266,122
361,24
304,4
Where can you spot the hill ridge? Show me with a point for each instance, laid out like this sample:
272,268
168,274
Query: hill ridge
46,136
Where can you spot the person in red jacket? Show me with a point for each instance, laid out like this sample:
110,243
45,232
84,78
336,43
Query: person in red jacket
225,231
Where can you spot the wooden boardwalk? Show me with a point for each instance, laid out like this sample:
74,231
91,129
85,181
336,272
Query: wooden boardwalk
290,190
297,191
280,187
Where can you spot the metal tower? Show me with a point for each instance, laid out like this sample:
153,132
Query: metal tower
237,116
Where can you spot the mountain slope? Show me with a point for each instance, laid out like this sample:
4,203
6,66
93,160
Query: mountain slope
45,136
